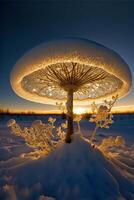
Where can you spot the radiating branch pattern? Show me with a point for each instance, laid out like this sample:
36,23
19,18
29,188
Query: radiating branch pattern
54,81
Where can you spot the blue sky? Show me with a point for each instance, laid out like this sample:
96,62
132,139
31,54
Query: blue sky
25,24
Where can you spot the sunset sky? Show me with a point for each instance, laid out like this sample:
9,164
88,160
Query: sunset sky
26,24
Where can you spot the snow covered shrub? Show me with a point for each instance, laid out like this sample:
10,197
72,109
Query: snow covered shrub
77,119
45,136
119,141
101,115
15,128
61,132
111,141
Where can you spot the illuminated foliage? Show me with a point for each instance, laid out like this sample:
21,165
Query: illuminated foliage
111,141
102,116
45,136
77,119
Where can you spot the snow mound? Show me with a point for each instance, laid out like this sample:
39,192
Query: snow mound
73,171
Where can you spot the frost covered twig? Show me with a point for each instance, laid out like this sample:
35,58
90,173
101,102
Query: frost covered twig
111,141
61,106
42,135
77,119
102,116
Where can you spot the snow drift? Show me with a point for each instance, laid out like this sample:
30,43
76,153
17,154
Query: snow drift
75,171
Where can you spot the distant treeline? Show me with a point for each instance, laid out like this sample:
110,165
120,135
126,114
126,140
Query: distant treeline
7,111
120,116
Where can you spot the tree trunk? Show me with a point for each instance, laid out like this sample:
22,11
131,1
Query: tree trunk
69,106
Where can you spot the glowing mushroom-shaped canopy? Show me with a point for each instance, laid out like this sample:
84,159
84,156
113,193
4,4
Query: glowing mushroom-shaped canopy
70,69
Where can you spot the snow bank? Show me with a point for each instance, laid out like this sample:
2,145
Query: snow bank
75,171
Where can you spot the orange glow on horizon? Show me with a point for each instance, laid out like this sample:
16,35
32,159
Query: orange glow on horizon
77,110
80,110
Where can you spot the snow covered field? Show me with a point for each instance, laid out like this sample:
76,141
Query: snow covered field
73,171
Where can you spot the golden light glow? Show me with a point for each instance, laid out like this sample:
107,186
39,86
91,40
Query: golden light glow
80,51
77,110
80,110
123,109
